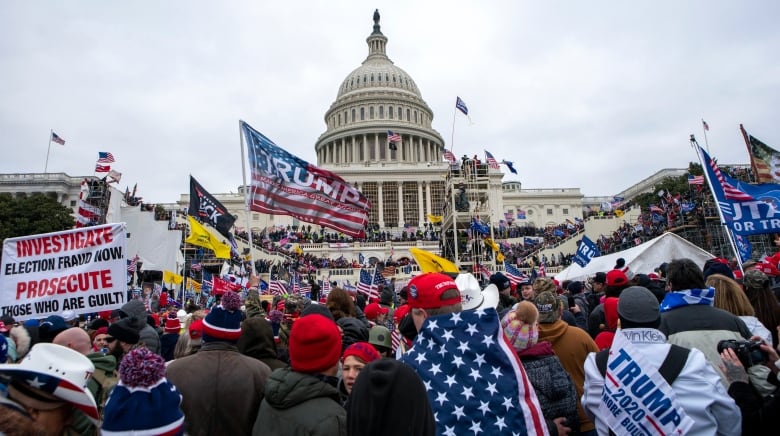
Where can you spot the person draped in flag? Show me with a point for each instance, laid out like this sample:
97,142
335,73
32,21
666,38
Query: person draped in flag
457,350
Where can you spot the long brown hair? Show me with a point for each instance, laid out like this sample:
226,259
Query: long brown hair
729,295
340,304
766,306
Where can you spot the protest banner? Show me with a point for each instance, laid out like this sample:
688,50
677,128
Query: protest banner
83,270
636,399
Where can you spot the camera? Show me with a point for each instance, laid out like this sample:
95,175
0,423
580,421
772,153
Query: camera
748,352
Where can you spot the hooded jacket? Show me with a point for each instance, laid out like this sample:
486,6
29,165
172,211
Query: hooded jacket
137,313
257,341
300,404
354,330
552,384
571,345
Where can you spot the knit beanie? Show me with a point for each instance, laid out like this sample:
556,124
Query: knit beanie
223,323
314,344
172,325
363,351
521,327
144,401
123,331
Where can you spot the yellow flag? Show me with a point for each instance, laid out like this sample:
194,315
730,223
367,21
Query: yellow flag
490,243
435,219
201,237
430,262
170,277
500,257
618,213
298,249
193,285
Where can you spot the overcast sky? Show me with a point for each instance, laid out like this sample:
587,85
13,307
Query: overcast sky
596,95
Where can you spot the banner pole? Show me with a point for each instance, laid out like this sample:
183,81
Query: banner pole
246,200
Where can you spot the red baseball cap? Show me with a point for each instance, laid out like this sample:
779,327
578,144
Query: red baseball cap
425,291
616,277
374,309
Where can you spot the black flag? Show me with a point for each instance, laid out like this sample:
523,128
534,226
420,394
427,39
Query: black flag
209,210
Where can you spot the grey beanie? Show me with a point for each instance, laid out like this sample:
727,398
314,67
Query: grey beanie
638,304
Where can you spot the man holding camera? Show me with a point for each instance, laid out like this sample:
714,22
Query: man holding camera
758,413
688,317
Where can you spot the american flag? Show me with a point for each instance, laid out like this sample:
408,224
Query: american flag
56,138
326,199
393,137
481,269
474,379
492,163
368,285
695,180
388,271
277,287
105,157
729,191
514,275
102,168
542,271
449,156
132,264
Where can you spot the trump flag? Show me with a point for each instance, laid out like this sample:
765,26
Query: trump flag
284,184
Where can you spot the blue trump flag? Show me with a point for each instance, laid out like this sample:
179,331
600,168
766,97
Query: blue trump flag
474,379
586,251
746,209
744,248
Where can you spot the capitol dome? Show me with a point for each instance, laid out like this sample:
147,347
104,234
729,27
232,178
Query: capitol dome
374,99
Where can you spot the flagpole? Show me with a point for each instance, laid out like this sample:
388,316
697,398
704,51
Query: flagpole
51,132
246,200
452,136
750,153
729,235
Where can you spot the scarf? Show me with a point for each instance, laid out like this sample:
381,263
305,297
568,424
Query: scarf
688,297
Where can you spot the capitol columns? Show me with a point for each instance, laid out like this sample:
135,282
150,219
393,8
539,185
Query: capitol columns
420,219
380,204
400,203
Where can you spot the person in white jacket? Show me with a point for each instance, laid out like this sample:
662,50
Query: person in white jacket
697,387
730,297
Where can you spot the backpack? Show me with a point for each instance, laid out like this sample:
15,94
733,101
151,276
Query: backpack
101,384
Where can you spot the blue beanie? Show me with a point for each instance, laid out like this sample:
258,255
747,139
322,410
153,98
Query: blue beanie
144,401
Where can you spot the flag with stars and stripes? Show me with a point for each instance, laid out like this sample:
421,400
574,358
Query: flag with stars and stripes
368,284
284,184
474,379
491,161
514,275
277,287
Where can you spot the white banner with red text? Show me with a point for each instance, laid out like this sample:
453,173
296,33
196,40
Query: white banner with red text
83,270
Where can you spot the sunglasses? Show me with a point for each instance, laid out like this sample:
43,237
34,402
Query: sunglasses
109,339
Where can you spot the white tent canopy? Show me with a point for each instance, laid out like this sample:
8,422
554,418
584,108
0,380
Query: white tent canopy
642,259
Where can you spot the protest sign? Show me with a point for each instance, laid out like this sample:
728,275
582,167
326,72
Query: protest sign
83,270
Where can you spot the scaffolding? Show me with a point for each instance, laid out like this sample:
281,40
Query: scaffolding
97,196
467,207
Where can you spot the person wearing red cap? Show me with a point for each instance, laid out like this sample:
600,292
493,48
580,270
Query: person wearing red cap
355,357
616,280
461,354
376,314
303,398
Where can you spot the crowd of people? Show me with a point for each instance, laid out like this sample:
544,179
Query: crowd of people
696,344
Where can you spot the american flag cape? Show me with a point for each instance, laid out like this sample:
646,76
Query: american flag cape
284,184
474,379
